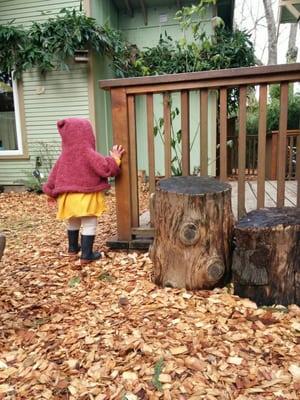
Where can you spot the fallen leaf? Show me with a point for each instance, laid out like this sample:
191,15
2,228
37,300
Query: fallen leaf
295,371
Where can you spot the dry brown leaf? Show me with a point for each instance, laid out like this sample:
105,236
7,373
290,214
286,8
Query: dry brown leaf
295,371
59,341
234,360
178,350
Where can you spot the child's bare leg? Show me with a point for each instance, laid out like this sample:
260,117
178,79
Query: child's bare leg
89,225
73,234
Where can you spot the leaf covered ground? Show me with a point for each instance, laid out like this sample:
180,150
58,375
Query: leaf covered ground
107,332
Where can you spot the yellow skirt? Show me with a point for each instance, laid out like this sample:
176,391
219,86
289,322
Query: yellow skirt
80,205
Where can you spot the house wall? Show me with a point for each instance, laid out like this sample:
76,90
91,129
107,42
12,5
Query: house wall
161,20
105,13
60,94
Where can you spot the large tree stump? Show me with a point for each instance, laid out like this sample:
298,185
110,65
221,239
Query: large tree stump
2,245
193,224
266,261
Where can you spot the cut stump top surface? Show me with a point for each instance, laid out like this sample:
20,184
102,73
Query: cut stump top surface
270,217
193,185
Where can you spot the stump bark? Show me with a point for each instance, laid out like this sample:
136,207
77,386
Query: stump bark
193,224
266,261
2,245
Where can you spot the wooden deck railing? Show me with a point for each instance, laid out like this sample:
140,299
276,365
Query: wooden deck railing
123,96
292,138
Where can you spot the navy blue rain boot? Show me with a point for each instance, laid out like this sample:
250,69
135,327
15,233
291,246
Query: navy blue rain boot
74,247
87,254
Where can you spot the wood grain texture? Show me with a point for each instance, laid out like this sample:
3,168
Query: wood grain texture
150,138
185,130
123,182
204,132
223,134
242,151
133,161
261,163
282,143
246,75
267,256
298,171
167,134
193,225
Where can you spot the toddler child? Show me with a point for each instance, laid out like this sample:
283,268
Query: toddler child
78,181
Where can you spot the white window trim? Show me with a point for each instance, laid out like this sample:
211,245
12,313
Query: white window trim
18,152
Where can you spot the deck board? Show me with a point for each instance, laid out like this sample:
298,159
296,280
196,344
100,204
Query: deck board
250,197
270,195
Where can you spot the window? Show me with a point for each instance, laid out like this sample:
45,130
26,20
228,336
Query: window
10,127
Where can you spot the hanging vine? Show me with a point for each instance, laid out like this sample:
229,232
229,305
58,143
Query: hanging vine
50,45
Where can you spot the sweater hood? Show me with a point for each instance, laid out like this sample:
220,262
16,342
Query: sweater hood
76,132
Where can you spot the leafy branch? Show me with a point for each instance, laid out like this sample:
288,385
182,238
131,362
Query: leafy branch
51,44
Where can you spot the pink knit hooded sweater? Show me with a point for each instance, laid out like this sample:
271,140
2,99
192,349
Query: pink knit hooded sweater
79,168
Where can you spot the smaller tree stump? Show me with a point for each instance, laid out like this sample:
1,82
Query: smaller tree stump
2,244
266,261
193,224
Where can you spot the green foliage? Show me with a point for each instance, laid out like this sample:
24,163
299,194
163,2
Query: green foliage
13,42
225,49
50,44
105,276
73,282
32,183
44,159
157,371
191,17
273,111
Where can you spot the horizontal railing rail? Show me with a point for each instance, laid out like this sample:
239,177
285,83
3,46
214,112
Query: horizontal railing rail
124,93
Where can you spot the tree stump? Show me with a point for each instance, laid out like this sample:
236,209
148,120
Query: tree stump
193,224
266,261
2,245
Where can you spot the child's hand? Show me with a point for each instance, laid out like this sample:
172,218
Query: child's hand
117,152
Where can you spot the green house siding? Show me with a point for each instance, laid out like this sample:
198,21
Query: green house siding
105,13
161,20
60,94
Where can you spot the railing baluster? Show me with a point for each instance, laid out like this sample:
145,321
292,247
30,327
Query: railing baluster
133,162
290,140
185,132
281,166
204,132
242,151
167,134
123,184
223,135
261,163
151,151
298,169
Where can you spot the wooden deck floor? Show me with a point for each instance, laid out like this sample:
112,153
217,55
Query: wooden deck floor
270,195
250,198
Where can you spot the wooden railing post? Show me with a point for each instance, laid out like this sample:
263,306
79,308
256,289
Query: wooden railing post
123,184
